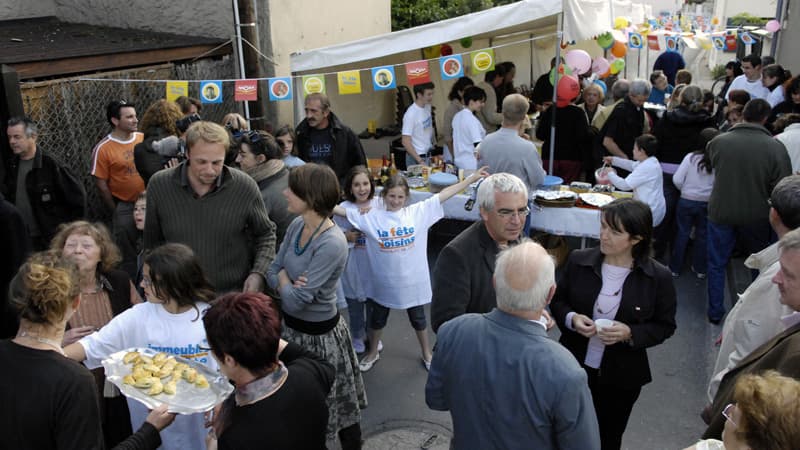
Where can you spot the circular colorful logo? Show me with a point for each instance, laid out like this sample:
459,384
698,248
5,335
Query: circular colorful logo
482,61
312,85
210,92
280,89
451,66
383,77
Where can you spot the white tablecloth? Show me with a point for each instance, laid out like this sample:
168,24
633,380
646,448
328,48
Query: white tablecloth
580,222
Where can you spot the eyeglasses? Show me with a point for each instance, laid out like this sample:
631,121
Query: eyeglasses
252,136
727,412
507,213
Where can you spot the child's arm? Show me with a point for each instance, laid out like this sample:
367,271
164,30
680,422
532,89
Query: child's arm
339,211
622,163
450,191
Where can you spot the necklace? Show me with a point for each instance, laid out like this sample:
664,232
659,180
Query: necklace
51,342
299,251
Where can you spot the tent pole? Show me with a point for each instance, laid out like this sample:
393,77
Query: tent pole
554,107
242,73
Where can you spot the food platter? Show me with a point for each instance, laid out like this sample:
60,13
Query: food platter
595,199
555,199
188,398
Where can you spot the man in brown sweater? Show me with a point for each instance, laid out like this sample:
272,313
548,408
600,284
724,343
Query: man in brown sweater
215,210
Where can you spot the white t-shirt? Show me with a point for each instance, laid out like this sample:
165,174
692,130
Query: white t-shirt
776,97
467,130
418,123
756,88
397,250
646,181
357,276
150,325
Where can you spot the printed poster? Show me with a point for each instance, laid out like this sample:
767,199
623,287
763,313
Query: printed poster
418,72
177,89
451,66
482,61
635,40
747,38
349,82
313,84
672,43
383,78
719,42
652,42
211,92
280,89
245,90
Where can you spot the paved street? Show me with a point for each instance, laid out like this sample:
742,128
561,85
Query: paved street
666,415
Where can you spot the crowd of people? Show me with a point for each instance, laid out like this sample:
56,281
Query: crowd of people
241,250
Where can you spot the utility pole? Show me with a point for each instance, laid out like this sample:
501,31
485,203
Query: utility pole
250,56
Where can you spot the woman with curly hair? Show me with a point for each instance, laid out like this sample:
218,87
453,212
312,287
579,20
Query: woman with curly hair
157,123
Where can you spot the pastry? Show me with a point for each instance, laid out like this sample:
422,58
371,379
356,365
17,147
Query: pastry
201,381
171,387
130,357
156,388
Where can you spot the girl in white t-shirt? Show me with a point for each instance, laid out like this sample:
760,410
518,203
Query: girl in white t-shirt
170,321
467,129
397,247
359,193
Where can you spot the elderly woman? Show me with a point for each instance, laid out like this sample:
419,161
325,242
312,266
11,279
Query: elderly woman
280,388
260,157
306,273
593,97
49,401
633,295
764,415
286,138
105,293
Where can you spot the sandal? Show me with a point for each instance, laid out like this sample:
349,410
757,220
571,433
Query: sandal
365,365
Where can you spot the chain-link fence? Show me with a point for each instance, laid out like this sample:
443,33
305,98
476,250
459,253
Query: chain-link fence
71,113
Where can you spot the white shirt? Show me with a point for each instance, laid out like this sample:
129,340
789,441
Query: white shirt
357,276
791,140
776,96
693,182
605,307
418,123
756,89
150,325
397,250
467,131
646,182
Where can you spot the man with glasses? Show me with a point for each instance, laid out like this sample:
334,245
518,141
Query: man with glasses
322,138
781,353
462,277
115,175
217,211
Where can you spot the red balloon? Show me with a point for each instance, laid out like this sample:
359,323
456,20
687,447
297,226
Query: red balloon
447,50
568,89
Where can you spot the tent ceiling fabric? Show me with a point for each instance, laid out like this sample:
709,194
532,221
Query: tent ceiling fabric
585,19
502,20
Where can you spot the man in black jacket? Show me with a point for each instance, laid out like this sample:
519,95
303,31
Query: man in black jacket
46,193
322,138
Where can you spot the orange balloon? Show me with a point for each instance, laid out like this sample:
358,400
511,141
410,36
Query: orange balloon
619,49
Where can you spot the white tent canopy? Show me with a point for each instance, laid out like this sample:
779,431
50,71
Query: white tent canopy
523,16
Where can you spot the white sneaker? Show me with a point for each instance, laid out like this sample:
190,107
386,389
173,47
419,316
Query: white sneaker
358,345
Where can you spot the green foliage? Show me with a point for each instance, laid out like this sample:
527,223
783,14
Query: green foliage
412,13
746,19
717,71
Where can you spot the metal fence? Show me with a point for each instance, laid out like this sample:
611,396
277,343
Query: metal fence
71,113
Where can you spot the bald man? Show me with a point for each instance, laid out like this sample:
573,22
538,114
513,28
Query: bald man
488,367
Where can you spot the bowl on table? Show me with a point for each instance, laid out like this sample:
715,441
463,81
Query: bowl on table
551,183
440,180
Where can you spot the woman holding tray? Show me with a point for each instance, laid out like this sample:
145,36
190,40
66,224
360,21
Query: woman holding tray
177,294
49,401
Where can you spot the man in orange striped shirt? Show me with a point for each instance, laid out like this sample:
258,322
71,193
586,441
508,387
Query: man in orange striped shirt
117,179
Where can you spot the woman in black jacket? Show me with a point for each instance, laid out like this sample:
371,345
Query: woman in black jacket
613,302
678,134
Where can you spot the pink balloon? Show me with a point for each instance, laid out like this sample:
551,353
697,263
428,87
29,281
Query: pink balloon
600,65
578,60
772,26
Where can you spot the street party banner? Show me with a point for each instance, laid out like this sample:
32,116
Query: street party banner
177,89
672,43
313,84
383,78
211,92
245,90
280,89
451,66
635,40
482,60
417,72
652,42
349,82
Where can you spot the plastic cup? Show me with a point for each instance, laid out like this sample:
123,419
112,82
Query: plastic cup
601,324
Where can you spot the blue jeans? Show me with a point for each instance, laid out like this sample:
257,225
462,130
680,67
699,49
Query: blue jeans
689,213
753,238
358,318
664,233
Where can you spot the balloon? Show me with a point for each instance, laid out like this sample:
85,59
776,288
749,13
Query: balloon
447,50
617,66
619,49
704,41
578,60
620,23
562,69
568,89
602,85
466,42
773,26
605,40
431,52
715,21
600,65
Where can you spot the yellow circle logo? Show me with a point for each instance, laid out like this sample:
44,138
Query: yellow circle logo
313,85
482,61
